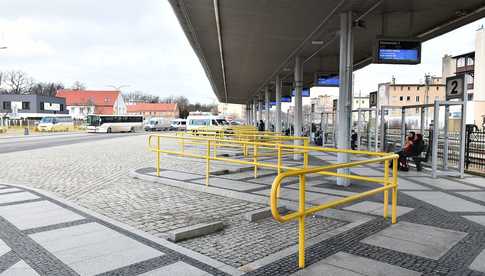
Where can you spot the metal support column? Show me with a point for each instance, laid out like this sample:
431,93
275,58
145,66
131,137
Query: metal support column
260,109
255,116
298,116
344,108
267,107
376,130
434,149
423,117
445,138
359,127
403,127
461,165
382,130
278,105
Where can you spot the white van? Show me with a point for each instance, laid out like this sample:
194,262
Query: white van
55,123
197,120
157,124
178,124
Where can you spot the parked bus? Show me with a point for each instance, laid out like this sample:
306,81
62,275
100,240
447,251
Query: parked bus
114,123
55,123
197,120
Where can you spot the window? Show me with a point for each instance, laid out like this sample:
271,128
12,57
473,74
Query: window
62,107
470,97
460,62
7,105
409,88
41,106
402,87
417,87
417,99
408,98
470,61
401,98
25,105
417,109
106,100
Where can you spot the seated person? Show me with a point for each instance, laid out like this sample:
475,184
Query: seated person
407,150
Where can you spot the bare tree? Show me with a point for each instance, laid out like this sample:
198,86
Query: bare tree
77,85
17,82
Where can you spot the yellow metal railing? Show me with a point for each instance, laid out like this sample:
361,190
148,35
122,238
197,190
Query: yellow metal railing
388,184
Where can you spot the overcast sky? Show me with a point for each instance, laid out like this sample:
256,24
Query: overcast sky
140,44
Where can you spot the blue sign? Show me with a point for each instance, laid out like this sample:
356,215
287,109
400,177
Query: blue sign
332,81
399,52
286,99
304,93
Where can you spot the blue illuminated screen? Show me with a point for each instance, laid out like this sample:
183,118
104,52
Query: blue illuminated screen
398,54
304,93
328,81
286,99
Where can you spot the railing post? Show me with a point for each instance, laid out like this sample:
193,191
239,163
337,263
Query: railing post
279,158
255,160
158,156
386,192
394,191
305,153
301,224
208,157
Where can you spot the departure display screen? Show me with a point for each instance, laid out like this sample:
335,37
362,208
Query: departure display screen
399,52
331,81
304,93
286,99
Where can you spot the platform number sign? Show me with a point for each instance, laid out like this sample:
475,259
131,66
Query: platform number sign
455,87
372,99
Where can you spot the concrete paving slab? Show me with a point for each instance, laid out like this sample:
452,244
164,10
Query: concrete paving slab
229,184
293,194
447,184
478,181
447,202
475,195
9,190
180,175
178,268
477,219
375,208
416,239
345,264
21,268
11,198
479,263
92,248
311,188
3,248
405,184
37,214
325,199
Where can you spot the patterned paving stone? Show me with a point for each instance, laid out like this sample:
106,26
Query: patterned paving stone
375,208
178,268
477,219
446,184
447,202
16,197
344,264
37,214
20,269
3,248
179,175
91,248
475,195
416,239
479,263
229,184
294,194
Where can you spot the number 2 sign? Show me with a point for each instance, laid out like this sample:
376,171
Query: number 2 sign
455,87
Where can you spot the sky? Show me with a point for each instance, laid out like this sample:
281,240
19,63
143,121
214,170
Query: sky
139,45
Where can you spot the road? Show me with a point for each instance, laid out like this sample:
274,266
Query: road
23,143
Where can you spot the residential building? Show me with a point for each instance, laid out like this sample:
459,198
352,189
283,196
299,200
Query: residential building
402,94
84,102
360,102
30,106
322,103
148,110
471,64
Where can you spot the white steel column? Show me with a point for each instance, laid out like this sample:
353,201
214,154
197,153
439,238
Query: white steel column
267,107
260,108
298,116
344,108
278,105
255,110
445,138
434,145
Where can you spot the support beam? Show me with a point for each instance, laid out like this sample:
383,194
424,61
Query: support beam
278,105
344,108
267,107
298,116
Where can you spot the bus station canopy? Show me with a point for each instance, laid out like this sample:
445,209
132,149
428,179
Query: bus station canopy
243,44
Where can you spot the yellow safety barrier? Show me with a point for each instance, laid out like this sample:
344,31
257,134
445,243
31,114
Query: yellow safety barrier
304,212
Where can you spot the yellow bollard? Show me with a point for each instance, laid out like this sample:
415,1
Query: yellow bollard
305,154
386,192
301,224
255,160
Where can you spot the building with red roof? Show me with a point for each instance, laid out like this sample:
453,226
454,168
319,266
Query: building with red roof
84,102
166,110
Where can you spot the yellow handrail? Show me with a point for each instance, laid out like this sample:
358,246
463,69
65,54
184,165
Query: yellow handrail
303,212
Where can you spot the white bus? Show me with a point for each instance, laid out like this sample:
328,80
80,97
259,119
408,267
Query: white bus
55,123
178,124
197,120
114,123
